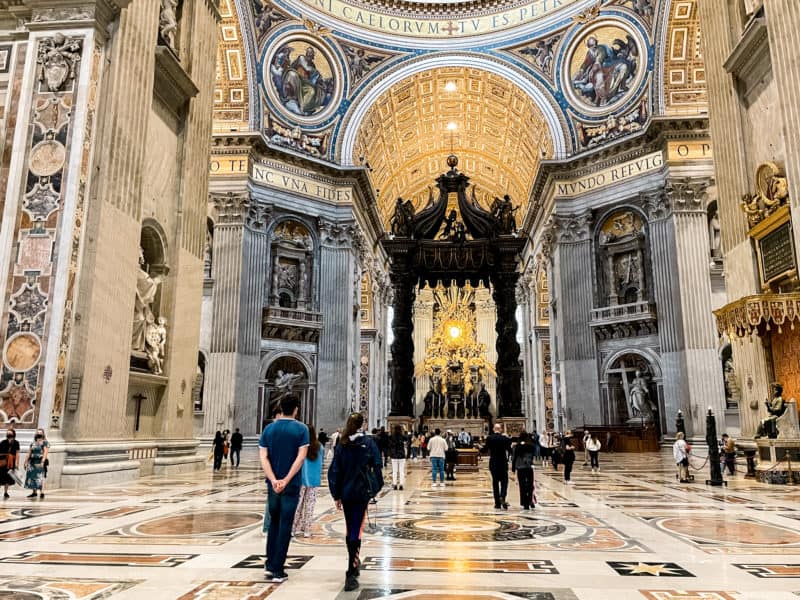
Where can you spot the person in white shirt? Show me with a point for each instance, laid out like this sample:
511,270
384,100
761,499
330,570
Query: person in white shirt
464,438
593,448
586,437
680,452
437,448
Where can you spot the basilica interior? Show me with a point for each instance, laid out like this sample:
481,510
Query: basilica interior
551,216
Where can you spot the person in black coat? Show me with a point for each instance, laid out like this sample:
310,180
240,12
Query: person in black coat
237,439
9,458
498,446
522,463
218,449
354,478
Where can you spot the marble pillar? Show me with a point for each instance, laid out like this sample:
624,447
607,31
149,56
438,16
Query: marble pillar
222,369
783,23
578,382
335,385
255,250
423,331
485,317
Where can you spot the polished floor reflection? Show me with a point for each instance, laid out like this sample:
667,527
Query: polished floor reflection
630,532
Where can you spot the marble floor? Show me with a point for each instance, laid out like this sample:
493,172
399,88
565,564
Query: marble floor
630,532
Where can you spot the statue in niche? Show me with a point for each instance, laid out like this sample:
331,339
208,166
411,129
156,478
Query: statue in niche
430,398
287,277
208,254
714,236
775,409
146,290
628,275
639,399
282,387
732,390
484,401
155,343
503,212
168,22
402,221
58,59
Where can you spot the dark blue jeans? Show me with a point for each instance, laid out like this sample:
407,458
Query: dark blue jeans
281,514
437,466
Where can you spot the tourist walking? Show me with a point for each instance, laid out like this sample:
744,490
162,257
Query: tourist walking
34,466
593,448
537,447
9,458
729,452
45,460
545,447
282,448
310,480
218,450
236,447
498,446
450,457
423,445
586,437
414,447
354,478
680,453
437,448
397,452
522,464
568,457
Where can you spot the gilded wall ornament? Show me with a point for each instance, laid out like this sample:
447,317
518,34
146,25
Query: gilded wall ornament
772,192
58,60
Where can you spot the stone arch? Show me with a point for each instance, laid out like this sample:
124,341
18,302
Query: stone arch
305,390
346,139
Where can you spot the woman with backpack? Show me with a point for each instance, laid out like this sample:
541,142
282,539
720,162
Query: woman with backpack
354,478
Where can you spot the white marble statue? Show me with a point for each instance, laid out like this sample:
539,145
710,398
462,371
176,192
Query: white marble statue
641,407
714,237
168,21
155,343
146,290
285,381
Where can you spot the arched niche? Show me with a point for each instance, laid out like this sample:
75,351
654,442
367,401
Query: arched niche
148,310
198,386
623,258
286,372
618,374
292,252
208,257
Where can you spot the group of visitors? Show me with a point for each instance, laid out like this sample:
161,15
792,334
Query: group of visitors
226,445
35,464
291,458
682,450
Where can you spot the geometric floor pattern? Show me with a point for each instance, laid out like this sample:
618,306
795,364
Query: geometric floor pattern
631,532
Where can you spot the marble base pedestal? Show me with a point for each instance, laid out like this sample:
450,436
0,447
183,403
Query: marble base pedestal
512,426
475,427
778,461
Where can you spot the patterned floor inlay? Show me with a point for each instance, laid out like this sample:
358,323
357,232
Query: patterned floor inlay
727,534
687,595
256,561
107,559
35,531
370,593
649,569
230,590
120,511
476,565
783,571
212,527
8,514
62,588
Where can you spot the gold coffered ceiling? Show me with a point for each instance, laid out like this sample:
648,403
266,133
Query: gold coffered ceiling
500,136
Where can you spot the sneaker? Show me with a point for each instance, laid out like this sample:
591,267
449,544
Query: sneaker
33,495
401,488
350,583
505,505
279,577
394,487
41,496
6,496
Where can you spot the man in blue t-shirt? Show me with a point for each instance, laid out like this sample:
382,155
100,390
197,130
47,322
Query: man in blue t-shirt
282,448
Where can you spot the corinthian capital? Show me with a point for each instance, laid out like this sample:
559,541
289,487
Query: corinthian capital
573,228
231,207
336,235
688,194
657,204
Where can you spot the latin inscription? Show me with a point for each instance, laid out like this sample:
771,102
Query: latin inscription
301,185
610,176
777,253
419,26
690,150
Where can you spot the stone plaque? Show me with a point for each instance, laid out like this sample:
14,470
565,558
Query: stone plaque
34,254
47,158
777,253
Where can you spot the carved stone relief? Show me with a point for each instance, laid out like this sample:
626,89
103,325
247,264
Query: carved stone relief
58,59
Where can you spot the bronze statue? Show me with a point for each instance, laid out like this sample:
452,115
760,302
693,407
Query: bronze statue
427,411
775,409
503,213
484,400
402,221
